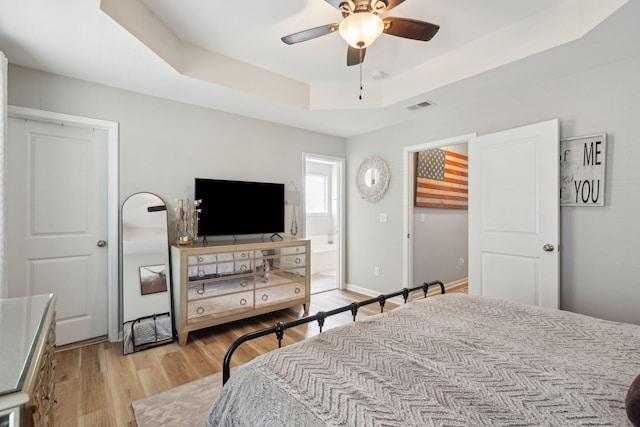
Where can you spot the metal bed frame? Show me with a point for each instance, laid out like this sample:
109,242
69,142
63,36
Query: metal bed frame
280,327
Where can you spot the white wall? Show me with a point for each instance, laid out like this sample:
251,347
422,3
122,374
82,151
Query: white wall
438,245
599,246
164,145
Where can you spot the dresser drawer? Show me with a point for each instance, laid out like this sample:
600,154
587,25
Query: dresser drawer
278,278
201,259
287,262
276,294
220,287
202,272
219,306
293,250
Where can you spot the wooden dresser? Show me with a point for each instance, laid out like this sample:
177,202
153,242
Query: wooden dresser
229,281
27,365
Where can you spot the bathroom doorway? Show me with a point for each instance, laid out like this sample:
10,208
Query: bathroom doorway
323,207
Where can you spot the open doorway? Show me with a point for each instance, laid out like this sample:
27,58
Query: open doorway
426,223
324,216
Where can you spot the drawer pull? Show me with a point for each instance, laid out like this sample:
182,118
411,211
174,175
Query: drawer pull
200,273
265,297
243,255
243,267
200,259
200,290
243,283
297,249
265,253
296,290
243,301
200,310
298,260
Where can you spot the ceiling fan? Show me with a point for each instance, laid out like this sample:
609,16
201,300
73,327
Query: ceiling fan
361,26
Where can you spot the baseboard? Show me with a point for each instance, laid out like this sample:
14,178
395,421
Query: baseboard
399,299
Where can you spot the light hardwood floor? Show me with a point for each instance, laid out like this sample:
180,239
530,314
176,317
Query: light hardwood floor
95,384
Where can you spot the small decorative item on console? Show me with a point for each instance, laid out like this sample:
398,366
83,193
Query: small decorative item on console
187,221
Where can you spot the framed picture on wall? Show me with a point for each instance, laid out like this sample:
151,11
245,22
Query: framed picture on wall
441,179
153,279
582,170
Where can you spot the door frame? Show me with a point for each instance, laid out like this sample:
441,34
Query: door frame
340,163
408,189
112,195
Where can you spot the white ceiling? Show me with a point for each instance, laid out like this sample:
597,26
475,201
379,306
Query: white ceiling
229,56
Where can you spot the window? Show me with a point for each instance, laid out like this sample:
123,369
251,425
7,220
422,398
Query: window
316,194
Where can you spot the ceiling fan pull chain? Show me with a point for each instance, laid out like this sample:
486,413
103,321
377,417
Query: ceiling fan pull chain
360,97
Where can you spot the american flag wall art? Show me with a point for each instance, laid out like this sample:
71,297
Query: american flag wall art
441,179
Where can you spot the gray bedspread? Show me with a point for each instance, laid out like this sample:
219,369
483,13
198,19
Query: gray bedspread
452,360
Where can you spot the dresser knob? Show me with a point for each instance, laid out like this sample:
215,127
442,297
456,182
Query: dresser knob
200,291
200,310
200,259
297,290
265,297
243,301
298,260
243,283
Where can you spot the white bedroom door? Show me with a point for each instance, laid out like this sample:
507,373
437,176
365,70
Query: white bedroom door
58,222
514,209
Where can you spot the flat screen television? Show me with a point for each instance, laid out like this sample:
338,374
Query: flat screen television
239,207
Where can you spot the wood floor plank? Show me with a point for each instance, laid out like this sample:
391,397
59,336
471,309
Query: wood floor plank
96,384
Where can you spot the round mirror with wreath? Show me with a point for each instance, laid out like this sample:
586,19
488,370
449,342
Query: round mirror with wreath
372,179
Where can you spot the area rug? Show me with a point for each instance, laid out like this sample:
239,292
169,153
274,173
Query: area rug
185,405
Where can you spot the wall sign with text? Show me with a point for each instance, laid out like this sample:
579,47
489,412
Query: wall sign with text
582,162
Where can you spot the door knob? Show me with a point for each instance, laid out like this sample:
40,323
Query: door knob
102,243
548,247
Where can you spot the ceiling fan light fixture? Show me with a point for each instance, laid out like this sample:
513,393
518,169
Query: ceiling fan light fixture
361,29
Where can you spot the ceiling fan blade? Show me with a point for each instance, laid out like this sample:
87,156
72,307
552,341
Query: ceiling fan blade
355,56
410,28
342,6
309,34
336,3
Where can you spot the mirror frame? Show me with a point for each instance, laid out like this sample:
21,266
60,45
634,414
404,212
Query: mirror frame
169,285
373,193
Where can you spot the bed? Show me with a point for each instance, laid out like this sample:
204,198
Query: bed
453,360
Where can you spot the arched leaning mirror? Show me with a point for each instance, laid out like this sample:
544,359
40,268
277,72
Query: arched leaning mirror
145,276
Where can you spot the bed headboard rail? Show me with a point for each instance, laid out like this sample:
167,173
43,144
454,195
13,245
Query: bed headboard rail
279,328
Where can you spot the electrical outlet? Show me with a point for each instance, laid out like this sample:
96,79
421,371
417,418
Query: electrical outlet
461,263
376,271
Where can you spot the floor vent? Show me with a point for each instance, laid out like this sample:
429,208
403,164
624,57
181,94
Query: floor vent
418,106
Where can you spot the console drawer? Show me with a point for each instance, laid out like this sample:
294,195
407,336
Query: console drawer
201,259
293,250
220,287
275,294
279,278
219,306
